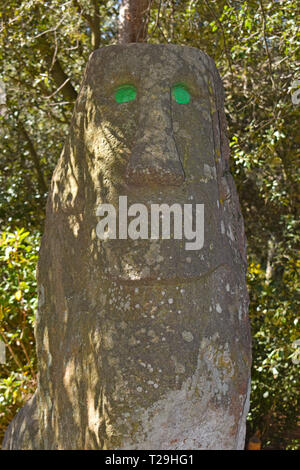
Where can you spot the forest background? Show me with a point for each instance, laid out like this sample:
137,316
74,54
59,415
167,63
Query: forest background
44,47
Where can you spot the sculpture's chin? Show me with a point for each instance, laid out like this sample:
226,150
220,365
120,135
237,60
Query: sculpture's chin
159,279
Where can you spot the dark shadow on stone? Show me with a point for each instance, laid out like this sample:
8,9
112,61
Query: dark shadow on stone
23,432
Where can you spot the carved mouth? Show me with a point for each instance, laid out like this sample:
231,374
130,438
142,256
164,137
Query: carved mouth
162,261
160,280
189,251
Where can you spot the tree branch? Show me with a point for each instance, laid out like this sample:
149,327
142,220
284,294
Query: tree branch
55,69
35,158
266,42
10,350
228,56
93,21
133,20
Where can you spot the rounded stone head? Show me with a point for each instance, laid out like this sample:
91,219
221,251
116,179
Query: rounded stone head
149,127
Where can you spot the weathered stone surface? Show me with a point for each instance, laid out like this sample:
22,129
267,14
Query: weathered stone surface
142,344
23,431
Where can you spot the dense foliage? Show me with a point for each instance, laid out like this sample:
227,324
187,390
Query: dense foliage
18,257
43,50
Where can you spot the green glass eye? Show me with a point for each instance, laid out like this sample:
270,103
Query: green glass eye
181,94
125,93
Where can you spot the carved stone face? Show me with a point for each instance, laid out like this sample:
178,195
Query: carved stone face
141,343
147,118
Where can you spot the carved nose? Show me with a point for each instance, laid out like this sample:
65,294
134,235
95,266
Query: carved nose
154,158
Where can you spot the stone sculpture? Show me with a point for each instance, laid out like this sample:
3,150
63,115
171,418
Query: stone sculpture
141,343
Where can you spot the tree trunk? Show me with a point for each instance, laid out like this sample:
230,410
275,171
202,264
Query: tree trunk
133,21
